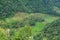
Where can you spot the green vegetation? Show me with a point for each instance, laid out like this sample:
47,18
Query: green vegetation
50,32
3,34
22,34
29,19
21,28
9,7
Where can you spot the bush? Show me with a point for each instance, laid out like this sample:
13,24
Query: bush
3,35
22,34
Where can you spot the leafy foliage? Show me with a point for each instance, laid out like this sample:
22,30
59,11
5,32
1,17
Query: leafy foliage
22,34
3,35
51,32
9,7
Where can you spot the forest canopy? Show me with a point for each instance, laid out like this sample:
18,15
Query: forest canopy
9,7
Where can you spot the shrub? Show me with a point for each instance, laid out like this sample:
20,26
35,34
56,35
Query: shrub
3,35
22,34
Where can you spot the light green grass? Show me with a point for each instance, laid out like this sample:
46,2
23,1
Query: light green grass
37,28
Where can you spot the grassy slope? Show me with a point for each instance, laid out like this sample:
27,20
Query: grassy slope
39,26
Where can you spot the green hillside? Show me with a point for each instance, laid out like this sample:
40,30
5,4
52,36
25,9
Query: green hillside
29,19
50,32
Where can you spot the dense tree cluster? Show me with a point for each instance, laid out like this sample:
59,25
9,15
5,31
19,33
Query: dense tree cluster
8,7
51,32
